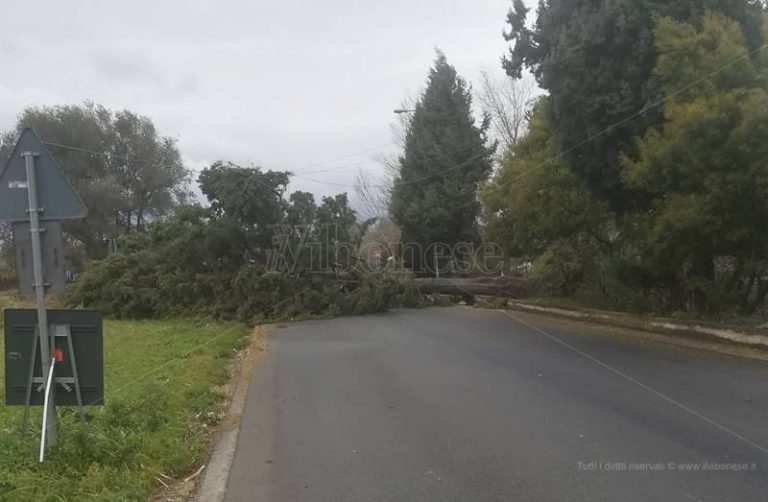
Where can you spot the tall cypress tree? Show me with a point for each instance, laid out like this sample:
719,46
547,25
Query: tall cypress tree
434,198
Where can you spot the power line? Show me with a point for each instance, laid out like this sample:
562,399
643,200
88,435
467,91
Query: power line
314,180
608,129
355,154
404,182
589,139
109,155
348,168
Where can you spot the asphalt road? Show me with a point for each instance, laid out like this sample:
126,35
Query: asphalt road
469,405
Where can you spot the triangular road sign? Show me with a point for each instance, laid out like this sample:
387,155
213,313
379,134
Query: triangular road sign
55,194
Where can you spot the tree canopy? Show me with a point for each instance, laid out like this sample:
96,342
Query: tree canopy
538,210
706,167
597,61
672,214
126,173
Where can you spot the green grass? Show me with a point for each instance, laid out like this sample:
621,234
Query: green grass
161,379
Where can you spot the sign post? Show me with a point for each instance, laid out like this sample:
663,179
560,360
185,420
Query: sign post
33,189
51,243
49,429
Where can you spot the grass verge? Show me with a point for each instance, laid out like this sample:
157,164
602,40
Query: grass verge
161,382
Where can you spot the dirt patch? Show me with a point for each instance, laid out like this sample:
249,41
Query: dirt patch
231,411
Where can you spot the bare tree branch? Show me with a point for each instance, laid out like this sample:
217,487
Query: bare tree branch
372,194
506,101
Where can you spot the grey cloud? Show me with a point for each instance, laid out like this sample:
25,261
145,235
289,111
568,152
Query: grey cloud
285,84
120,65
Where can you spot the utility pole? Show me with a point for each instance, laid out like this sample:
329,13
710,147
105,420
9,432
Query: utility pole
46,345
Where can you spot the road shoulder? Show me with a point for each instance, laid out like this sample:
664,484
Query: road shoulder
213,483
679,341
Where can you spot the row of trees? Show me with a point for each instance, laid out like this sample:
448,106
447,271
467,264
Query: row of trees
126,172
253,250
643,180
639,181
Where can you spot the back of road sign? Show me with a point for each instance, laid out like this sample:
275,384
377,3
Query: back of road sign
55,195
87,339
53,257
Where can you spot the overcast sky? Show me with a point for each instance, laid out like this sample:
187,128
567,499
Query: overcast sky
284,84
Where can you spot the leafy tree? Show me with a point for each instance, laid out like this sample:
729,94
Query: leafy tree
246,194
148,168
434,197
507,102
125,172
335,227
246,199
537,209
597,61
706,168
747,13
302,209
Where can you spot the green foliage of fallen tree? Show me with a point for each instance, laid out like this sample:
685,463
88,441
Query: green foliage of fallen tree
243,260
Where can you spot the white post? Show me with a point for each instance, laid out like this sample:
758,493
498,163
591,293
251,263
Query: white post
46,343
48,389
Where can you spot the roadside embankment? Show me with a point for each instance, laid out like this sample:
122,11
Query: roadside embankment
716,336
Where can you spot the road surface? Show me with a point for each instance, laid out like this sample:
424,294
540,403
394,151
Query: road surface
458,404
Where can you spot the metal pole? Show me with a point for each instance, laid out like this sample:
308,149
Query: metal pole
70,347
46,345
